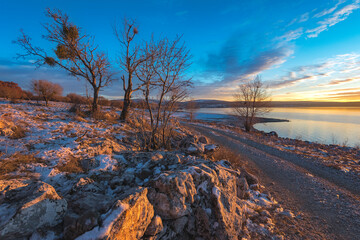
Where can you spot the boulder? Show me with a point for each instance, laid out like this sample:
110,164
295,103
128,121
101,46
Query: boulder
27,208
194,149
230,214
155,227
209,148
173,195
128,219
89,163
75,225
203,140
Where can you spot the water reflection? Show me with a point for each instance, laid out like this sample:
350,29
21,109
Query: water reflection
323,125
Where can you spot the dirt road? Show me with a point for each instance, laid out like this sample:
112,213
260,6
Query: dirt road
327,199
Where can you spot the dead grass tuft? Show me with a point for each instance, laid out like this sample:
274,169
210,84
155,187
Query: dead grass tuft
224,153
73,165
16,161
110,117
18,132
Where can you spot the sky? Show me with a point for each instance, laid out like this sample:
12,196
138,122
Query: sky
304,50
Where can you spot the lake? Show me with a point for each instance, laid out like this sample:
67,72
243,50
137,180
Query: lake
323,125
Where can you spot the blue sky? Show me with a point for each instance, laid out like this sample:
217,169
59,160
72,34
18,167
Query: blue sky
304,49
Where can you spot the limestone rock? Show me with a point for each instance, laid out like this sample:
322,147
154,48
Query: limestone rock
174,195
203,140
128,219
155,227
28,208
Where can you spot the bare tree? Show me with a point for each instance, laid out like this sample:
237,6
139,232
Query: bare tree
192,108
75,52
46,90
129,60
252,101
164,84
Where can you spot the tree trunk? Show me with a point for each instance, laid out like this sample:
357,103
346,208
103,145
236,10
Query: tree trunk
46,101
95,101
127,102
247,124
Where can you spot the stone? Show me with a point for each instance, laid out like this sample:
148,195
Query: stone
202,221
179,224
242,187
203,140
89,163
194,149
75,225
28,208
155,226
210,148
251,179
87,185
157,157
128,219
174,194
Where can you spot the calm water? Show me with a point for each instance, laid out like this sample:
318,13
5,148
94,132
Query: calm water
323,125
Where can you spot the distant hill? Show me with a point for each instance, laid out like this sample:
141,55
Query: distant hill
209,103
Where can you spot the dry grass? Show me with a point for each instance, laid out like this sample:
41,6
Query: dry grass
14,162
111,117
18,132
73,165
224,153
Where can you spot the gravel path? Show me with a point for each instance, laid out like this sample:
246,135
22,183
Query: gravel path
328,199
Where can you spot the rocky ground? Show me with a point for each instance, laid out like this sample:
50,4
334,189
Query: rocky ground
325,200
63,176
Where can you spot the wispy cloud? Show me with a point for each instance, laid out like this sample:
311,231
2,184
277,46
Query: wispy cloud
338,82
328,11
319,71
292,35
336,17
304,17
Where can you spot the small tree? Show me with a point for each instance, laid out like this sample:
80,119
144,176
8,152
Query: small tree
192,108
163,85
252,100
129,60
10,90
46,90
74,52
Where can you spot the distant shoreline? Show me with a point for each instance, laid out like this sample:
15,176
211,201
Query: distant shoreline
217,117
275,104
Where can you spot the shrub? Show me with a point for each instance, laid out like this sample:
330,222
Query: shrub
14,162
18,132
76,98
73,165
224,153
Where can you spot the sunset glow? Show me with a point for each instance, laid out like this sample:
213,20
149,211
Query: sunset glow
304,51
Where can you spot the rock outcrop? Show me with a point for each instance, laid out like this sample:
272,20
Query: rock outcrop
128,219
28,207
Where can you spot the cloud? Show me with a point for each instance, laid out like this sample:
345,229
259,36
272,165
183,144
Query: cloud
291,35
290,82
338,82
304,17
328,11
240,58
323,70
336,17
